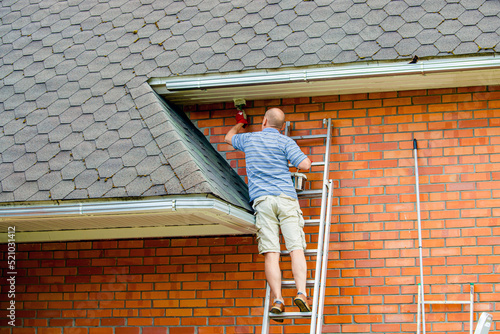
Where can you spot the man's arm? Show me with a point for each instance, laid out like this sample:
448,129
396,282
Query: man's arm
294,154
234,130
305,164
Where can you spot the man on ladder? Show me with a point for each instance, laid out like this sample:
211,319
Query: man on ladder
274,198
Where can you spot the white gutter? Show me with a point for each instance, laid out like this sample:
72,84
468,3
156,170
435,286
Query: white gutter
124,207
118,219
370,69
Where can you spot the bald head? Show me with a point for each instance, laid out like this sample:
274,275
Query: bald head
275,118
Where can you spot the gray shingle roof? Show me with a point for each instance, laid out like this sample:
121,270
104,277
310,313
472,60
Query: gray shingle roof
80,121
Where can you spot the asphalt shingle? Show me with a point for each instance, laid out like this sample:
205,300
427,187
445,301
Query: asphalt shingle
451,11
59,133
61,190
449,27
406,46
83,150
489,24
36,143
242,36
328,52
108,168
57,159
36,171
71,141
22,136
96,158
139,185
470,17
85,179
468,33
134,156
26,190
71,170
317,29
485,41
124,176
12,182
490,8
426,37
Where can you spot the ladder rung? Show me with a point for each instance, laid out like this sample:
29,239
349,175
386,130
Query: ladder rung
308,137
446,302
309,283
290,315
310,193
307,252
311,222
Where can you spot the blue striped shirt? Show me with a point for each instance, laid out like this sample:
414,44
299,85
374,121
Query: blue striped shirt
267,154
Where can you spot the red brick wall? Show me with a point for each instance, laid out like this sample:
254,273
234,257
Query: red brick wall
183,285
374,259
216,285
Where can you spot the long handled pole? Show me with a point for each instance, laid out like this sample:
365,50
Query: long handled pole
421,291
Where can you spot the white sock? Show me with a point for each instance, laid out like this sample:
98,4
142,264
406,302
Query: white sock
305,294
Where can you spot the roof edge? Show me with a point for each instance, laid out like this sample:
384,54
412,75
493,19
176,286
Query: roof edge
231,219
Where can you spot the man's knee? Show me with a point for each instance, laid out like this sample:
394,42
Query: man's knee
297,253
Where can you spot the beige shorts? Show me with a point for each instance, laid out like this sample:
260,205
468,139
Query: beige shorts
279,212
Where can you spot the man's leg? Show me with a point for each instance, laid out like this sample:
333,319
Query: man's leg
292,223
299,269
273,274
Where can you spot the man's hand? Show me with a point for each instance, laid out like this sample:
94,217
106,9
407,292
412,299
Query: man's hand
240,118
305,164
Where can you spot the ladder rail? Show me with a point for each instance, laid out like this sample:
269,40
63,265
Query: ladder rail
419,222
265,318
418,307
471,309
318,262
321,233
324,265
326,160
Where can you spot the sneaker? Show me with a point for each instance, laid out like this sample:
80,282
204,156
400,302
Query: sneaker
277,308
302,302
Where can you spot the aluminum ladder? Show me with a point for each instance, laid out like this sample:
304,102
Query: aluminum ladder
319,282
421,301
